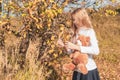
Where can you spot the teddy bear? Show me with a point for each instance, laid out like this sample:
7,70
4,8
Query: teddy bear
79,60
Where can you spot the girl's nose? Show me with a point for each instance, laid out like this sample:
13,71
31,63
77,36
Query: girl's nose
74,22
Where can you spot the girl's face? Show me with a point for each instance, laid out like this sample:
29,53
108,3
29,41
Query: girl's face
77,21
80,19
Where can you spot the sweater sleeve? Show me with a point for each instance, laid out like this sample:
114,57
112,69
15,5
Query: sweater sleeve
93,48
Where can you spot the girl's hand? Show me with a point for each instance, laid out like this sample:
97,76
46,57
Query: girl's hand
60,43
70,45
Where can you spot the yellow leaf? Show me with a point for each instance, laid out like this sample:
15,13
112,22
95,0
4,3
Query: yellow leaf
67,37
62,28
45,63
5,5
23,15
4,16
0,22
51,0
52,46
65,3
9,32
60,52
48,42
24,35
55,55
68,23
30,3
50,63
55,13
106,14
50,51
113,1
54,6
49,25
39,26
59,10
52,37
60,34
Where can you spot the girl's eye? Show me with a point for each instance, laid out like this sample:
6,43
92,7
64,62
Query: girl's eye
73,19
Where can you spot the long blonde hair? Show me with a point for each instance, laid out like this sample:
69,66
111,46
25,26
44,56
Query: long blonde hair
83,17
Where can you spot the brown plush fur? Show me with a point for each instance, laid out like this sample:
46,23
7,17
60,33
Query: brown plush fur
79,60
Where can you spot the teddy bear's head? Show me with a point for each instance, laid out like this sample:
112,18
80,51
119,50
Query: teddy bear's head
85,40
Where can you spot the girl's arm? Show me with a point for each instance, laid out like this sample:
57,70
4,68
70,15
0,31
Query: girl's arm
62,45
92,49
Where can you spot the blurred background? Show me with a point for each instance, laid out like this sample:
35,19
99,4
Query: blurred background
29,30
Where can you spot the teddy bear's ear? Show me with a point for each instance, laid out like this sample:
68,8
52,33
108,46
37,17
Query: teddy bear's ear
81,37
87,38
84,43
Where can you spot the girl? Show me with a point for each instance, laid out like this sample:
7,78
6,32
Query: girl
81,25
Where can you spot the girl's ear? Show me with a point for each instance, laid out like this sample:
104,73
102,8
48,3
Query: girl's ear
86,22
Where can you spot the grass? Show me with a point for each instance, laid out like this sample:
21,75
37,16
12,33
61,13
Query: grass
108,61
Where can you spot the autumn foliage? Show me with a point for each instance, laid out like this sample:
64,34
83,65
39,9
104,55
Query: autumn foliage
28,49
